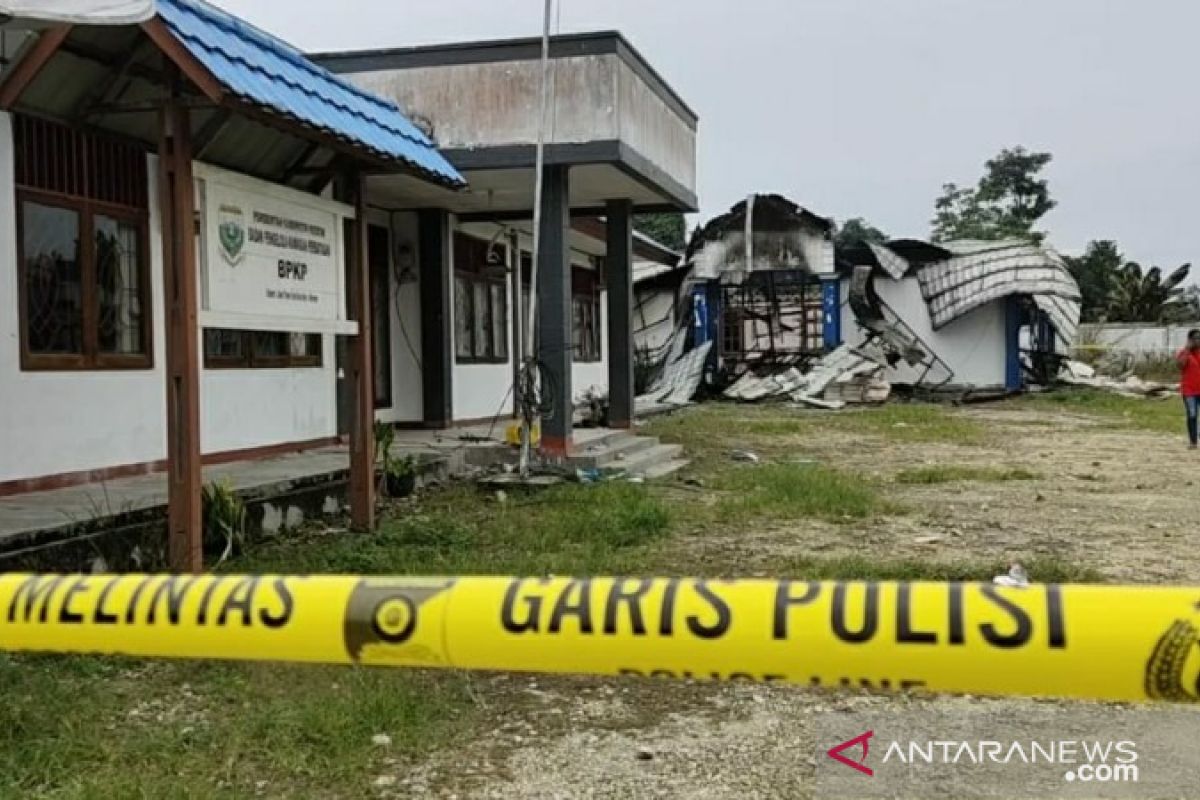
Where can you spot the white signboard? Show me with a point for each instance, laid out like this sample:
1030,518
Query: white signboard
271,257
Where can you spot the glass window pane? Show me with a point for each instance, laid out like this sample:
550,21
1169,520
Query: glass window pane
500,320
577,327
482,322
304,345
270,344
53,282
597,333
119,287
462,318
221,343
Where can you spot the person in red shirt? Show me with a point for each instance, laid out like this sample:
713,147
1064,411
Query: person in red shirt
1189,383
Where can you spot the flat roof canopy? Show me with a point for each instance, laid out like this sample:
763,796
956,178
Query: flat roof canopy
624,133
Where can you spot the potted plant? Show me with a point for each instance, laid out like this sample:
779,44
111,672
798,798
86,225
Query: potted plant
401,476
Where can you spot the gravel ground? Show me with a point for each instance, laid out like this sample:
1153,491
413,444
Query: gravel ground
1118,500
585,739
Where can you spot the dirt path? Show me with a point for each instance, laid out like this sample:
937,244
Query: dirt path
1117,500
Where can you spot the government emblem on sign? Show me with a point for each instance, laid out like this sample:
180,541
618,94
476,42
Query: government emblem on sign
231,231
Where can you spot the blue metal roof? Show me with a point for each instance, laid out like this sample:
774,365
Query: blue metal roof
268,72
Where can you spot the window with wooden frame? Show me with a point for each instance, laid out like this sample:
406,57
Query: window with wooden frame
236,349
480,301
82,249
585,315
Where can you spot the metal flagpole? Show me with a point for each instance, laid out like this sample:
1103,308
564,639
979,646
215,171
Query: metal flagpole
530,357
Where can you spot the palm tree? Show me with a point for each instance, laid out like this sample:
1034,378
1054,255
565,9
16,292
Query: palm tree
1146,296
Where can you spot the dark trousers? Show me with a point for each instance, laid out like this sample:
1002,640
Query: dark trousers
1191,404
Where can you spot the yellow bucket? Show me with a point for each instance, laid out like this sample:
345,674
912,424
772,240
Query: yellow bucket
512,434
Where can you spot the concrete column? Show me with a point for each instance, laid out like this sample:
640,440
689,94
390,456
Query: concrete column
619,263
554,311
437,335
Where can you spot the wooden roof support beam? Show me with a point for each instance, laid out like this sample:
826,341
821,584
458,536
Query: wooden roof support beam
209,132
298,165
191,68
184,536
115,87
96,55
31,65
360,373
144,106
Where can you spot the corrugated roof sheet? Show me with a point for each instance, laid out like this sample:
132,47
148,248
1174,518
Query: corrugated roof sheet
268,72
980,272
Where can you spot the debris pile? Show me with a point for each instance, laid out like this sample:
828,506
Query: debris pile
1077,373
846,375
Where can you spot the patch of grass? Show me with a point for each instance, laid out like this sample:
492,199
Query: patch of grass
1161,414
122,728
788,491
913,422
954,473
710,431
581,529
862,568
100,727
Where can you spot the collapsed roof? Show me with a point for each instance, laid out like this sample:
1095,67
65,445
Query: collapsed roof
780,231
960,276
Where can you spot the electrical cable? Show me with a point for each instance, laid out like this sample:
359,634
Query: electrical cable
397,276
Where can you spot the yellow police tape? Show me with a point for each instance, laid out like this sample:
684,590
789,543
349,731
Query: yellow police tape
1118,643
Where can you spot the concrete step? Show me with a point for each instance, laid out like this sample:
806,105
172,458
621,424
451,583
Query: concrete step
645,460
591,437
613,452
666,468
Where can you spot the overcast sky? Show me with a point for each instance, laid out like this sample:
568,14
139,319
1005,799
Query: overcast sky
865,107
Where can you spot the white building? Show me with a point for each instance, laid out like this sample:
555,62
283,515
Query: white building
86,250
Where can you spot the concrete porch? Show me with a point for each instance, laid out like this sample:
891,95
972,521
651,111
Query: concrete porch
118,524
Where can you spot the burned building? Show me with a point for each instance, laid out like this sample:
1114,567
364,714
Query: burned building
782,312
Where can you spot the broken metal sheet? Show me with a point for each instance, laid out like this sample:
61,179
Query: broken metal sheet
1129,387
844,361
817,402
750,387
894,265
1076,373
1063,314
689,375
981,272
1078,369
859,389
678,382
896,338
